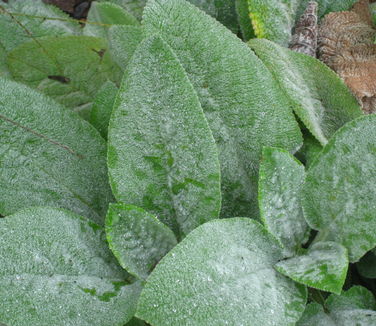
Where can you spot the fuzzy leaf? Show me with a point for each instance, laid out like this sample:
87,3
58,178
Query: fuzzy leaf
137,239
49,156
107,13
135,7
70,69
323,266
102,107
244,20
162,156
314,315
56,269
25,24
222,274
123,41
339,194
319,97
243,104
280,182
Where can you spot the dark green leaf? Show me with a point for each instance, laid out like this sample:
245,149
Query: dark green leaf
222,274
244,19
367,265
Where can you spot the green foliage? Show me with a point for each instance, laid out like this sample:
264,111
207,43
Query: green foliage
49,156
55,265
200,125
222,274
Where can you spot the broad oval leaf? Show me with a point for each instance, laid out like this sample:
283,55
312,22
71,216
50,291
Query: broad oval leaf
137,238
20,21
49,156
245,107
323,266
70,69
222,274
339,194
161,155
280,183
56,269
320,98
106,14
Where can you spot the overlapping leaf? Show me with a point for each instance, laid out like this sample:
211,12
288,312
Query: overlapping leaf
222,274
162,156
319,97
339,193
49,156
244,106
57,270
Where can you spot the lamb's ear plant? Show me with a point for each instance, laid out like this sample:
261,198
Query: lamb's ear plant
194,131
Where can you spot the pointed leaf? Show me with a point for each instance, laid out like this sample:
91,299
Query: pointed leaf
243,104
339,194
56,269
62,68
280,182
20,21
222,274
323,266
102,107
137,239
123,41
244,20
320,98
109,14
162,156
49,156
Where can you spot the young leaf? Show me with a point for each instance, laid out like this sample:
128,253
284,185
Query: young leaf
161,155
274,19
339,192
353,307
367,265
56,269
245,108
49,156
137,239
310,149
70,69
102,107
222,274
323,266
280,182
123,41
20,21
109,14
319,97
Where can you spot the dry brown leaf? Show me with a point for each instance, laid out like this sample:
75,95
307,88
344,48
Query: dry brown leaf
304,39
346,45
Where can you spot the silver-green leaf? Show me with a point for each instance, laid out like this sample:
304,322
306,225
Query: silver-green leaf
338,196
49,156
245,107
56,269
161,155
222,274
137,238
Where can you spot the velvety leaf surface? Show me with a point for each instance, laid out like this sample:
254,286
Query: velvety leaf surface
320,98
70,69
107,13
280,183
222,274
137,238
162,156
244,20
135,7
314,315
367,265
273,19
124,40
243,104
339,194
323,266
24,23
56,269
356,297
102,107
49,156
